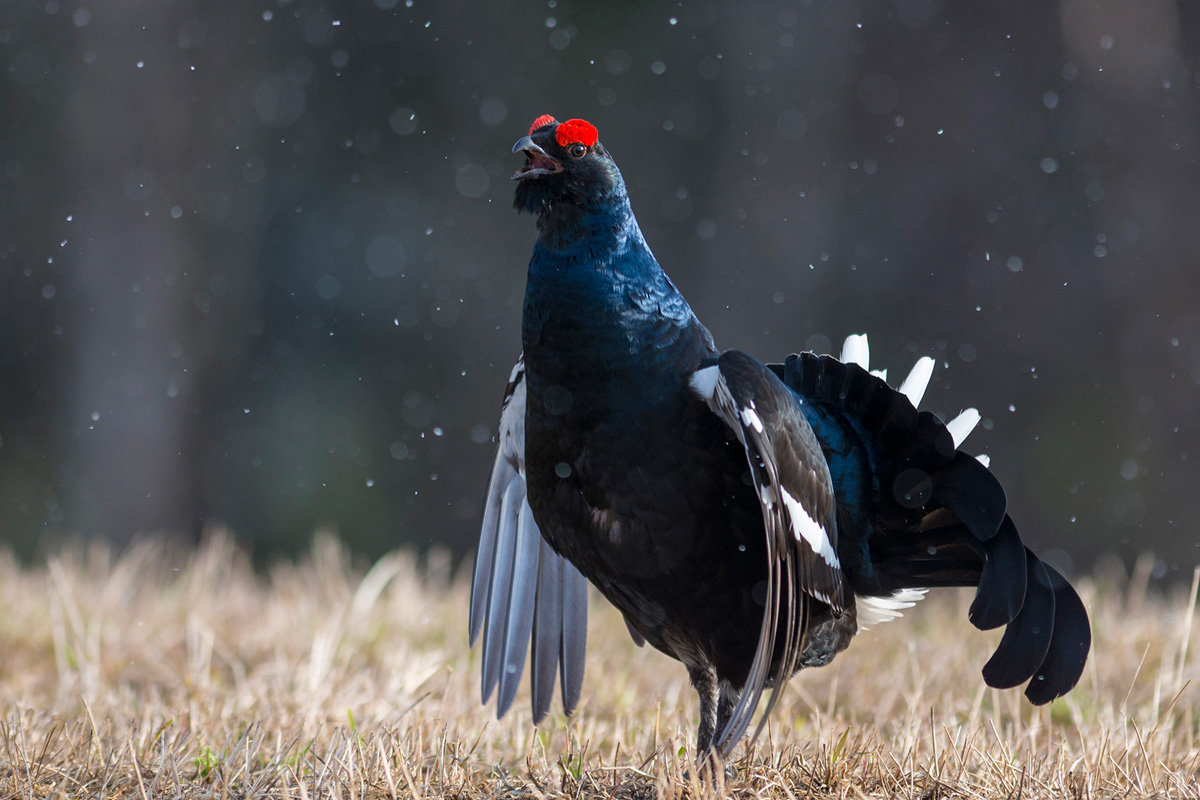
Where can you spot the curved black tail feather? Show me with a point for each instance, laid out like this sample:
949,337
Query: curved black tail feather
1069,645
1000,594
1026,640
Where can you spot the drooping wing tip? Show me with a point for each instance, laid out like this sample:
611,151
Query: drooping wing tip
537,604
499,593
573,654
547,630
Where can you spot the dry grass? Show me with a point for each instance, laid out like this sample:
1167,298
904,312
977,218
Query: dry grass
169,674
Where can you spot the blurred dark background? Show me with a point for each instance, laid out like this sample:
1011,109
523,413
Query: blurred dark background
258,264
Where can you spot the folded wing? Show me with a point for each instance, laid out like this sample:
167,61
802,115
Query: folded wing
793,485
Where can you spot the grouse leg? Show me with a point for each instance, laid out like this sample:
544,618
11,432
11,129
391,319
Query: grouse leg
704,681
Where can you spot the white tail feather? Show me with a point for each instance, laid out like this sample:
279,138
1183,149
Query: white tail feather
856,351
961,426
877,610
915,384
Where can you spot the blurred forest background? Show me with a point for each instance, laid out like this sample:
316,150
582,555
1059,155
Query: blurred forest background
258,263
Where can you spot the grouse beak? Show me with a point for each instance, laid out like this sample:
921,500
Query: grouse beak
537,162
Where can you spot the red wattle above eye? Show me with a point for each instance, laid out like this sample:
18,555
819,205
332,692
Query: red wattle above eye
576,131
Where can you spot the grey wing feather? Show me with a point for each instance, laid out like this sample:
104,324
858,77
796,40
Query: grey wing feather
518,626
547,630
503,473
500,587
523,593
574,634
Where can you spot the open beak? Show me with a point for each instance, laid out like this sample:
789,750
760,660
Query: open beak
537,163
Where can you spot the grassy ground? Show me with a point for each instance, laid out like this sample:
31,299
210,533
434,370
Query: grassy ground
183,674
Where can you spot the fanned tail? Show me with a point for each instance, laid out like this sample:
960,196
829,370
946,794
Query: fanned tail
914,511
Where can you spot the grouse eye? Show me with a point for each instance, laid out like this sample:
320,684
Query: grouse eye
577,150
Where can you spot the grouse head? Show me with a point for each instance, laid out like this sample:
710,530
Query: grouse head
567,172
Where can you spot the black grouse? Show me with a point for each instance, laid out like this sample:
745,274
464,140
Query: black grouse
747,519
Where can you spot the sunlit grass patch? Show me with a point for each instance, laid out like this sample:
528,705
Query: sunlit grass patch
173,673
